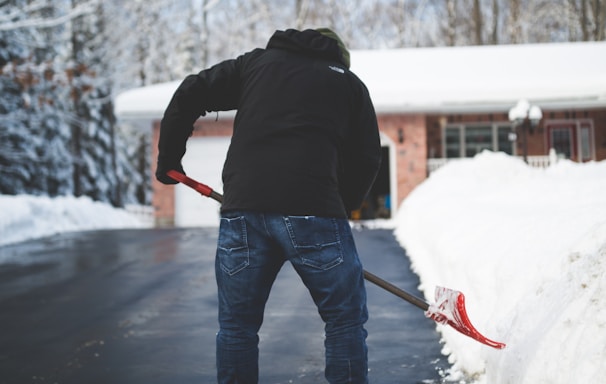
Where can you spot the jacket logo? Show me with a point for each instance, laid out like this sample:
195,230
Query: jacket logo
336,69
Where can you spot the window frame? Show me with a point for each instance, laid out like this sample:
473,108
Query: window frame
462,142
577,129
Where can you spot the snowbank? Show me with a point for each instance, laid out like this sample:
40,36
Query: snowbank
527,247
26,217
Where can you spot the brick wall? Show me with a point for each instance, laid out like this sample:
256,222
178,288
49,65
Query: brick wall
408,132
163,196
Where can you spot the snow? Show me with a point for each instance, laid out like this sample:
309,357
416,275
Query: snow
145,102
447,79
26,217
526,246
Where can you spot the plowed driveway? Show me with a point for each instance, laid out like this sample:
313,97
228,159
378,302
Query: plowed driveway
139,307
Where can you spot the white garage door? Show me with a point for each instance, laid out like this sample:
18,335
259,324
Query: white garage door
203,161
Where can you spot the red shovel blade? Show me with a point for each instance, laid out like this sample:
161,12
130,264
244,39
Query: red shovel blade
450,309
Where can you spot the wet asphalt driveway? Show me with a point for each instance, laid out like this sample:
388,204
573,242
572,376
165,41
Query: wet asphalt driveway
139,307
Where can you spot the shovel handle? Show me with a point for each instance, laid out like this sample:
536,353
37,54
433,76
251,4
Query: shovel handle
389,287
203,189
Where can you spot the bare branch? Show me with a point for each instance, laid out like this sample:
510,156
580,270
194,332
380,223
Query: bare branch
80,10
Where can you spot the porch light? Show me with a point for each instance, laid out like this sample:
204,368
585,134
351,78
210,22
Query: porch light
400,135
526,117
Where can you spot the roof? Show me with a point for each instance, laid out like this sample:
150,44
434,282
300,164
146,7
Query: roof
453,79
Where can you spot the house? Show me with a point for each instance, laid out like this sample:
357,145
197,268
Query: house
433,105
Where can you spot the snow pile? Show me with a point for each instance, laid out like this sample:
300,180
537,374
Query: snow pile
26,217
527,247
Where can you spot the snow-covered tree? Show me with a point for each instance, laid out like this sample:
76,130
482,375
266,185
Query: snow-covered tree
34,157
57,126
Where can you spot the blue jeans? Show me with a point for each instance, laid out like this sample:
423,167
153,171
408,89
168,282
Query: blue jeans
252,247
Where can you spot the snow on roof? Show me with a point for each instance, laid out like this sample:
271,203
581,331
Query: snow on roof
452,79
145,102
484,77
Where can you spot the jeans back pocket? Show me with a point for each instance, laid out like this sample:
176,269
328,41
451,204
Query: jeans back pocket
232,249
316,240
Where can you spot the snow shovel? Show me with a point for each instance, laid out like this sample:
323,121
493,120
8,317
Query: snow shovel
450,304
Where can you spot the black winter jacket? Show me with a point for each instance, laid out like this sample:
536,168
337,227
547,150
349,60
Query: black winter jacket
305,138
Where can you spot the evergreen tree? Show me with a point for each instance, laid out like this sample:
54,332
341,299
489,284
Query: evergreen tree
57,126
33,135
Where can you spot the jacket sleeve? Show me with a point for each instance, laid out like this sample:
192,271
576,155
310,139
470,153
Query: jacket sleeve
361,157
214,89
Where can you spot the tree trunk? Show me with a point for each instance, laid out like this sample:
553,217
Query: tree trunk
515,28
495,22
451,26
301,13
478,22
204,36
599,15
584,19
75,125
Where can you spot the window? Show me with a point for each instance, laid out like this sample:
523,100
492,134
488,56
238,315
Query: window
469,140
453,142
477,139
561,141
586,140
504,141
572,139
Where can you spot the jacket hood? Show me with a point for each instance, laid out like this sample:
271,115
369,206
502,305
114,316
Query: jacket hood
308,42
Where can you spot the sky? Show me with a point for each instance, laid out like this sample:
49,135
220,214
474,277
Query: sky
526,246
